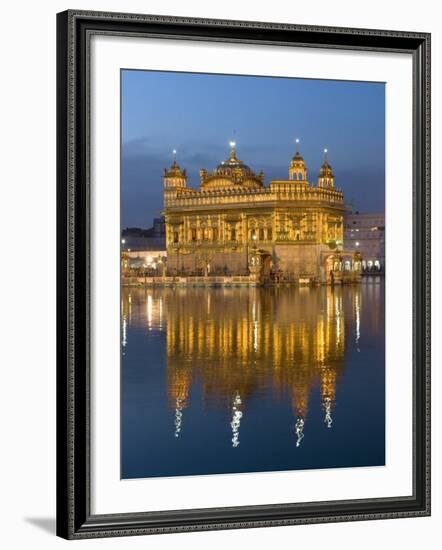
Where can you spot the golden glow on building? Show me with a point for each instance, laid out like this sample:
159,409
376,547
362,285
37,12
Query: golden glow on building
236,225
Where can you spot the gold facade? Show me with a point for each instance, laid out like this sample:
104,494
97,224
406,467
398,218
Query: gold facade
234,222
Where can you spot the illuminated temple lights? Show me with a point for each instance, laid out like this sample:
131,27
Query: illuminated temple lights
235,225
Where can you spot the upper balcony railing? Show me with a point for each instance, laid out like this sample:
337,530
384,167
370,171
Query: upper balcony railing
241,196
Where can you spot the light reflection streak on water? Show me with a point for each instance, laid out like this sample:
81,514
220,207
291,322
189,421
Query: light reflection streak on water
149,311
294,340
160,308
358,317
236,420
178,417
255,327
124,332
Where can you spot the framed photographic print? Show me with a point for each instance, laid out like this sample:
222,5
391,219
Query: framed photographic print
243,274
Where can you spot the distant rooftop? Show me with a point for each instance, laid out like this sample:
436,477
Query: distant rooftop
137,238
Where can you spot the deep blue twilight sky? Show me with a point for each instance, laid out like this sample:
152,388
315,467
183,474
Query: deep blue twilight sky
198,114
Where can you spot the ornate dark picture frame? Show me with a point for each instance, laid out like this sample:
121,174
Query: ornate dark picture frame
74,31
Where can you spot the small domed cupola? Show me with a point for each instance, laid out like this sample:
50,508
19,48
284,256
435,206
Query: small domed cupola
297,169
174,176
326,178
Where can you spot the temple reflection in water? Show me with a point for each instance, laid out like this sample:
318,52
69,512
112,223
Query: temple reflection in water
242,344
228,350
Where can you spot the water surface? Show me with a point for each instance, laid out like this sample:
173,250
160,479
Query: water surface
252,379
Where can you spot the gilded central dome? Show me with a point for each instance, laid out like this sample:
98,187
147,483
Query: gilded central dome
231,173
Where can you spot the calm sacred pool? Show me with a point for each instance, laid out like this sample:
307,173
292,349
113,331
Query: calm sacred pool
252,379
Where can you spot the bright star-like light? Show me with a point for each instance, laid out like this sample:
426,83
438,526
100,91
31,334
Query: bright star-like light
325,150
232,144
297,140
174,151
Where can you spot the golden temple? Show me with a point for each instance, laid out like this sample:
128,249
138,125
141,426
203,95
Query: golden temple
290,230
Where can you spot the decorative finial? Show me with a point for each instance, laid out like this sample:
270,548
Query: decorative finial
174,156
232,149
325,152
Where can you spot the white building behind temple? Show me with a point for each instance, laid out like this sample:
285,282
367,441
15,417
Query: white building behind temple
366,233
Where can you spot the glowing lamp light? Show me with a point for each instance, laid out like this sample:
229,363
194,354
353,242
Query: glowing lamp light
149,259
357,243
232,144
